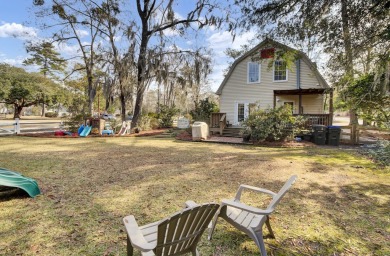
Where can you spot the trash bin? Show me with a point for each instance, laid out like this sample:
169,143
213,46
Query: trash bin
200,131
319,134
333,135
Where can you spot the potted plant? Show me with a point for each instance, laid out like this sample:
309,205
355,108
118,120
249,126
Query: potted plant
246,134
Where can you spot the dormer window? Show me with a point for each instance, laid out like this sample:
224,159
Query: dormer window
280,71
253,72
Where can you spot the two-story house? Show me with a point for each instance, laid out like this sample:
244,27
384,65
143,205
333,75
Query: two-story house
258,78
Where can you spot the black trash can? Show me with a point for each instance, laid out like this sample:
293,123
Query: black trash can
319,134
333,135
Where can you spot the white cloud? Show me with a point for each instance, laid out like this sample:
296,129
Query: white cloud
17,30
171,32
116,38
219,42
82,33
65,48
18,61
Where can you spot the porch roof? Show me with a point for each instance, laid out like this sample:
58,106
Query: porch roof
301,91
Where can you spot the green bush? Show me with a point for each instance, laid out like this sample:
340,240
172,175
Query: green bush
166,115
381,152
146,122
203,109
272,124
73,123
51,114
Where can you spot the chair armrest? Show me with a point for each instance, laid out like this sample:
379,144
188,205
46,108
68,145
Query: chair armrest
189,204
256,189
245,207
135,235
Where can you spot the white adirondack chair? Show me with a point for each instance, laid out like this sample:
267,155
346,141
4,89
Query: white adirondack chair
250,219
175,235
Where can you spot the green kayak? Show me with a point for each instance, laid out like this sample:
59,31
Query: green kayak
13,179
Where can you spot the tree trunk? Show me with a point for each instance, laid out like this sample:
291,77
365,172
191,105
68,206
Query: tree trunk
43,105
353,121
123,106
17,110
91,93
141,72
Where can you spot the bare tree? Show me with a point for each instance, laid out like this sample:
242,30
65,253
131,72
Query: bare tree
74,19
158,16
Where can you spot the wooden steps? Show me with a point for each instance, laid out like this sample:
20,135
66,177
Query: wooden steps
232,132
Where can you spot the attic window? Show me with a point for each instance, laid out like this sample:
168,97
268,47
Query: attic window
253,72
280,71
267,53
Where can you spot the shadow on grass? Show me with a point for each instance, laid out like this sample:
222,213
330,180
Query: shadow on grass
90,185
10,193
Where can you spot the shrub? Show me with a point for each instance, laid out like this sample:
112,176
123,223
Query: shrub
73,123
203,109
145,123
51,114
166,115
380,152
272,124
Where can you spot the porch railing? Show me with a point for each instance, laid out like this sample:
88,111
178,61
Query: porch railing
313,119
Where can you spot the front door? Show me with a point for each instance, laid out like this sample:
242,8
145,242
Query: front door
242,112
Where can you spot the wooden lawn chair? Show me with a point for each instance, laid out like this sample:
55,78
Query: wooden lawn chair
175,235
250,219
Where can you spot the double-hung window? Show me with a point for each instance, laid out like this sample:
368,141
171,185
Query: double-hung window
280,71
253,72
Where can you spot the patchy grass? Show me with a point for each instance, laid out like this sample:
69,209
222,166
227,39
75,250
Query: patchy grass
338,206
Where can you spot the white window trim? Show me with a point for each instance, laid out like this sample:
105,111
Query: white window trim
246,110
273,75
247,73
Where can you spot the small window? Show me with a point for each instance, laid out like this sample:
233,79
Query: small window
280,71
241,112
253,72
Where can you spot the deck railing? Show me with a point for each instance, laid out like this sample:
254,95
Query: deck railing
218,121
313,119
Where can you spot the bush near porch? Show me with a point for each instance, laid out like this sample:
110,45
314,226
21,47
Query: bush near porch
274,124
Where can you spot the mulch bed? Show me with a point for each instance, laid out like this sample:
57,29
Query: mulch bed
51,135
184,136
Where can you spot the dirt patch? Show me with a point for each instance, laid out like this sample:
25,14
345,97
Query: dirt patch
184,136
375,134
287,144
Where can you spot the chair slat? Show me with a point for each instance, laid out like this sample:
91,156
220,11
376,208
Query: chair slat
248,220
241,217
180,233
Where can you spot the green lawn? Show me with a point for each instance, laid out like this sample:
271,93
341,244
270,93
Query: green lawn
338,206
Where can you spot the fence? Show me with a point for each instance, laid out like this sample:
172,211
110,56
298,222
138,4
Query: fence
17,127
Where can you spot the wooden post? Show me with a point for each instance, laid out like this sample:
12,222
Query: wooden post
274,100
354,134
300,104
331,107
17,126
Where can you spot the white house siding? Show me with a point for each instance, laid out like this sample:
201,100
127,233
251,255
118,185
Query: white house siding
311,104
237,90
308,79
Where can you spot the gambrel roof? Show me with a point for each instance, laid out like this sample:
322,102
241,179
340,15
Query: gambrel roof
267,43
